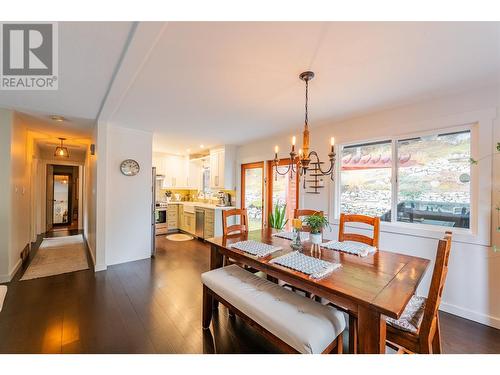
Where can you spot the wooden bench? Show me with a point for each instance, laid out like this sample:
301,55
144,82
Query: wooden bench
296,324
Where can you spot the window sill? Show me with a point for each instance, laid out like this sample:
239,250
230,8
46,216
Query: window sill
460,235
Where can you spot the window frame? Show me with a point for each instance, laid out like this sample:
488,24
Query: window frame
394,226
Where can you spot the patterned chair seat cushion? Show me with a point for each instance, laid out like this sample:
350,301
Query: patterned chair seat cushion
412,316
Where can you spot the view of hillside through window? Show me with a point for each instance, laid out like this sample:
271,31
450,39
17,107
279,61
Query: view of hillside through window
434,185
433,180
366,180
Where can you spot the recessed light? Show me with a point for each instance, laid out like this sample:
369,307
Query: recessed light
202,146
57,118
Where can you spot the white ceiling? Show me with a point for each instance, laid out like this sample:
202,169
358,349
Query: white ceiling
216,82
213,83
89,53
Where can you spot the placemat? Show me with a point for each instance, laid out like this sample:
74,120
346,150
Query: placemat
350,247
285,235
252,247
314,267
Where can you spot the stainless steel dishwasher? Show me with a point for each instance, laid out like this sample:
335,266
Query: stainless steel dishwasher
200,223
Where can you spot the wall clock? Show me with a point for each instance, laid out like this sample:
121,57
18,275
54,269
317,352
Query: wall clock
129,167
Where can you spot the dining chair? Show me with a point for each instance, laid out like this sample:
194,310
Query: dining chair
418,328
242,227
298,214
374,222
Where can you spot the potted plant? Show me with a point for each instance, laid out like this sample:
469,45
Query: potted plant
277,218
316,223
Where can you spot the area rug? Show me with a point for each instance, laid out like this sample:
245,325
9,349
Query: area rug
56,256
3,292
179,237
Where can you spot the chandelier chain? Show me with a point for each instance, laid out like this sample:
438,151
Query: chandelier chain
307,100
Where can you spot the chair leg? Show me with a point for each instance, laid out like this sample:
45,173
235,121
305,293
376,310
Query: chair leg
340,344
353,335
436,340
207,308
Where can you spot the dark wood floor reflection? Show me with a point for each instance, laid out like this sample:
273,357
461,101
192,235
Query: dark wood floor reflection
152,306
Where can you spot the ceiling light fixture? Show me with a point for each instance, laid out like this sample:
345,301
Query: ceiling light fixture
61,151
202,146
303,161
57,118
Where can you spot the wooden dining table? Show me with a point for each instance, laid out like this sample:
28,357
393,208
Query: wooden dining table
371,288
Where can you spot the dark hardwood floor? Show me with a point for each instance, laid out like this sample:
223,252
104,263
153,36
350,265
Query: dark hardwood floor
152,306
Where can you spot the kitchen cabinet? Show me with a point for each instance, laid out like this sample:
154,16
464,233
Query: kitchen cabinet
222,168
195,174
182,226
189,222
173,217
209,227
173,169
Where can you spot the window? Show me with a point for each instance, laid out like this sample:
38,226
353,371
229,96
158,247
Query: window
428,183
366,180
434,180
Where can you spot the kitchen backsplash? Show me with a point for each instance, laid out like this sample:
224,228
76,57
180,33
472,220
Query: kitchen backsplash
192,195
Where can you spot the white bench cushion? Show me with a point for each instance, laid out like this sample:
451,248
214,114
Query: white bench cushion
302,323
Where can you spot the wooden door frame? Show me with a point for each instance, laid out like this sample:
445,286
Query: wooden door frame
269,195
254,165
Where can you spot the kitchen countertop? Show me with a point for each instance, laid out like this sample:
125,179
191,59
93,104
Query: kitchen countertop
204,205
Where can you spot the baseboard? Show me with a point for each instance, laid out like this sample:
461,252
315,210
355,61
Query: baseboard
471,315
6,278
100,267
90,250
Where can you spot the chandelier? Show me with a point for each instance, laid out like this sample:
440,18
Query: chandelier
305,160
61,151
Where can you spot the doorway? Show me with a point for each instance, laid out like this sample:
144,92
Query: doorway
62,197
252,193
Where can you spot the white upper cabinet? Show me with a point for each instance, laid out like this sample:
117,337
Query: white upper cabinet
173,169
195,174
222,168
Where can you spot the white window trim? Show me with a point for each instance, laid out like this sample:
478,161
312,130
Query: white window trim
480,123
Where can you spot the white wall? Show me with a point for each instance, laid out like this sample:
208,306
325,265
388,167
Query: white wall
5,191
15,163
21,157
127,235
90,191
474,274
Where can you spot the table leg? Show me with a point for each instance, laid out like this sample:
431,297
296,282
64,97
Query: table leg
207,308
216,261
216,258
371,331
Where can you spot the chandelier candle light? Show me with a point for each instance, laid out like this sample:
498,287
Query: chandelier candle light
305,159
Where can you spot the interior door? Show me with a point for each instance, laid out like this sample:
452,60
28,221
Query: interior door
50,197
252,193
